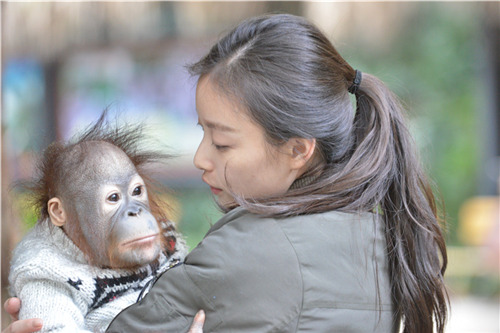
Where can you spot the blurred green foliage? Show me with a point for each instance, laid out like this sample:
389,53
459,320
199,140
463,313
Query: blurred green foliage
197,212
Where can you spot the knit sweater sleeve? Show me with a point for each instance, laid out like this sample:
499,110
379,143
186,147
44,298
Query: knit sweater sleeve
41,276
53,302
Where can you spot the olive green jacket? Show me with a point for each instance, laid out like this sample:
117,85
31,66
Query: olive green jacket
314,273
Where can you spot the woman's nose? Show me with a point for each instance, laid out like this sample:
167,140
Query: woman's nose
201,160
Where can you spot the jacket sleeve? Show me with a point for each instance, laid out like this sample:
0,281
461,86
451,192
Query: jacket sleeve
169,306
244,275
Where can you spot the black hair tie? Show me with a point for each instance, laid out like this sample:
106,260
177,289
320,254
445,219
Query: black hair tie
355,83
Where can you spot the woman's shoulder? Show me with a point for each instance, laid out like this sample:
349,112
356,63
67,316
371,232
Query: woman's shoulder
335,224
245,229
242,241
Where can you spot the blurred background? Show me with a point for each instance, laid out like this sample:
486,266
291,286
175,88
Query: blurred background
64,62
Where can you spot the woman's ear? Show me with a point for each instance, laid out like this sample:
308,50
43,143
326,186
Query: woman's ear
56,212
302,151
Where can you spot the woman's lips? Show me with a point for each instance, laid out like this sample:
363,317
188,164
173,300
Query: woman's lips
215,190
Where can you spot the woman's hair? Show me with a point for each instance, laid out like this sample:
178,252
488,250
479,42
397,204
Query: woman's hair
294,83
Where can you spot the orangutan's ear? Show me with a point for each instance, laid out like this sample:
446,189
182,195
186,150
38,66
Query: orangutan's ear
56,212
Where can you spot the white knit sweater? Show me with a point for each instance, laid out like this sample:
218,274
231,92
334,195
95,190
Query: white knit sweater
55,282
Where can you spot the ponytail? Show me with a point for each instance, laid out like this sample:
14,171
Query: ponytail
408,207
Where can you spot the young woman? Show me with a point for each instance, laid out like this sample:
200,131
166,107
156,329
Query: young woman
331,225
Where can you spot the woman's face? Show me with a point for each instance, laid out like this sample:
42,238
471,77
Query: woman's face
234,155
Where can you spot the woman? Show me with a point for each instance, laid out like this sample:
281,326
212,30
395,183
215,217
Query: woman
330,222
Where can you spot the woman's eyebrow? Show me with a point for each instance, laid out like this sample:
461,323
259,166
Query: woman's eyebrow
219,126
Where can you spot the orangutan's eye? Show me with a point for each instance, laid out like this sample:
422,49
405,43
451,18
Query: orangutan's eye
114,197
137,190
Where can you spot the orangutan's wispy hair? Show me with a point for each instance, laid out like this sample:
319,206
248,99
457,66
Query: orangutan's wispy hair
63,158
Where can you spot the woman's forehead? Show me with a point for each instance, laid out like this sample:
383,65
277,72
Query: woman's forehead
218,112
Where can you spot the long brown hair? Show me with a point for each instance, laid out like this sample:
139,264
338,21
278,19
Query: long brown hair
294,83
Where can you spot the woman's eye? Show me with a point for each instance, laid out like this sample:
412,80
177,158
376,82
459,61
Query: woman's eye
220,147
137,190
114,197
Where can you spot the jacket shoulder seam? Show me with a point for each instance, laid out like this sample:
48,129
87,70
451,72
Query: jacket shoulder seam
300,272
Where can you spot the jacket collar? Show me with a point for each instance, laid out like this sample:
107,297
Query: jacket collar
228,217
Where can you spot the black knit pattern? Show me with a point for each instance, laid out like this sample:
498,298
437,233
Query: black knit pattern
107,289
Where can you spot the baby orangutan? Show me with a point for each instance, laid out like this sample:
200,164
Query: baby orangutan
101,236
